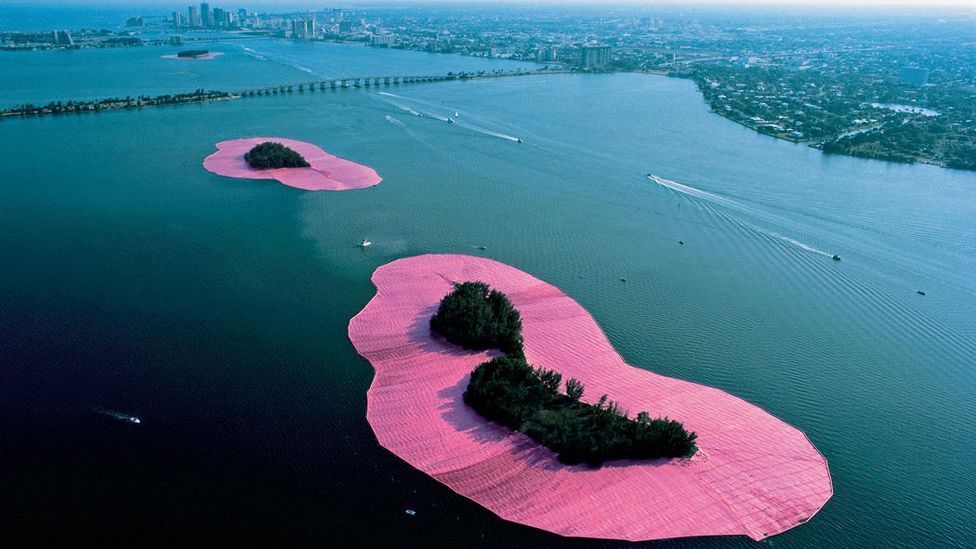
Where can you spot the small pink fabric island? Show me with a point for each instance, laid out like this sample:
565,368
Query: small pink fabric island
754,475
327,172
205,57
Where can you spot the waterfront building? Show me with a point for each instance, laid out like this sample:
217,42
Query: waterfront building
176,40
194,16
178,19
62,38
345,27
383,40
543,55
595,57
205,16
219,18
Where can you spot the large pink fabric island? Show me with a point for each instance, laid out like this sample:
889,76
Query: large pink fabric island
327,172
754,475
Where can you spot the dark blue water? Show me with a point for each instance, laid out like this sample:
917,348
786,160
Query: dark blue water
216,309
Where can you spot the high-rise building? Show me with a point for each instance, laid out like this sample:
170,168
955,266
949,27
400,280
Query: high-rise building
62,38
299,29
177,19
543,55
345,26
383,40
194,13
205,14
219,18
595,57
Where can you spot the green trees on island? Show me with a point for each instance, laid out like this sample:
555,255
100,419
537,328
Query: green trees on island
274,155
508,390
193,53
477,317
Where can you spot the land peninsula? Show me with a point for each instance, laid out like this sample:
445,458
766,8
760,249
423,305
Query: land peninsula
752,475
508,390
294,163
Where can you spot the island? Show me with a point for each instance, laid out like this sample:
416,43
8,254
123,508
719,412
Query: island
274,155
324,171
752,474
194,54
509,391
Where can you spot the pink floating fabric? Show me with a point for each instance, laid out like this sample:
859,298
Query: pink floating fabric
205,57
754,474
327,172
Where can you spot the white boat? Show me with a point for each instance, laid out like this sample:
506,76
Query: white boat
450,120
456,114
365,244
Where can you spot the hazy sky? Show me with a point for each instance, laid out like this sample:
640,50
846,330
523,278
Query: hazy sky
328,3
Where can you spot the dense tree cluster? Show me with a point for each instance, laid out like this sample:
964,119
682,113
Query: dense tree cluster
193,53
274,155
510,391
65,107
477,317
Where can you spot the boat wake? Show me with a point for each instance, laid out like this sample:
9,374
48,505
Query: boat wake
743,208
408,109
116,415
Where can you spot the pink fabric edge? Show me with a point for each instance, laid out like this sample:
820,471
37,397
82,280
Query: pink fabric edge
327,172
755,475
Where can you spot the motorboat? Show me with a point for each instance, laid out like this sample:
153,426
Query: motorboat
365,244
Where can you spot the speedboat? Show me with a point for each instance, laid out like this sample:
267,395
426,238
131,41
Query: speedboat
450,120
365,244
518,139
134,419
836,257
919,292
456,114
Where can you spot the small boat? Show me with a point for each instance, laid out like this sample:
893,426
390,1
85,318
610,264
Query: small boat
682,242
482,247
450,120
410,512
836,257
623,280
518,139
919,292
365,244
456,114
134,419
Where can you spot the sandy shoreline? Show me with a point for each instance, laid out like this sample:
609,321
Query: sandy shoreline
755,476
327,172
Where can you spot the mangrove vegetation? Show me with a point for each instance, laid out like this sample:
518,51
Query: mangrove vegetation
510,391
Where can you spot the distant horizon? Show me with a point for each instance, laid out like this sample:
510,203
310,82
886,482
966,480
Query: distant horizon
968,5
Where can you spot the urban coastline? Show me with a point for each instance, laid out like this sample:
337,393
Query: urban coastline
870,101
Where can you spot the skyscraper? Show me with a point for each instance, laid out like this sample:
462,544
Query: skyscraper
205,14
219,18
594,57
177,19
194,14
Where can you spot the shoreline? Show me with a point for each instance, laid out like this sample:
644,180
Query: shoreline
754,474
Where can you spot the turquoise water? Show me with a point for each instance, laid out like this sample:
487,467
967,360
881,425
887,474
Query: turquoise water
43,76
215,309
